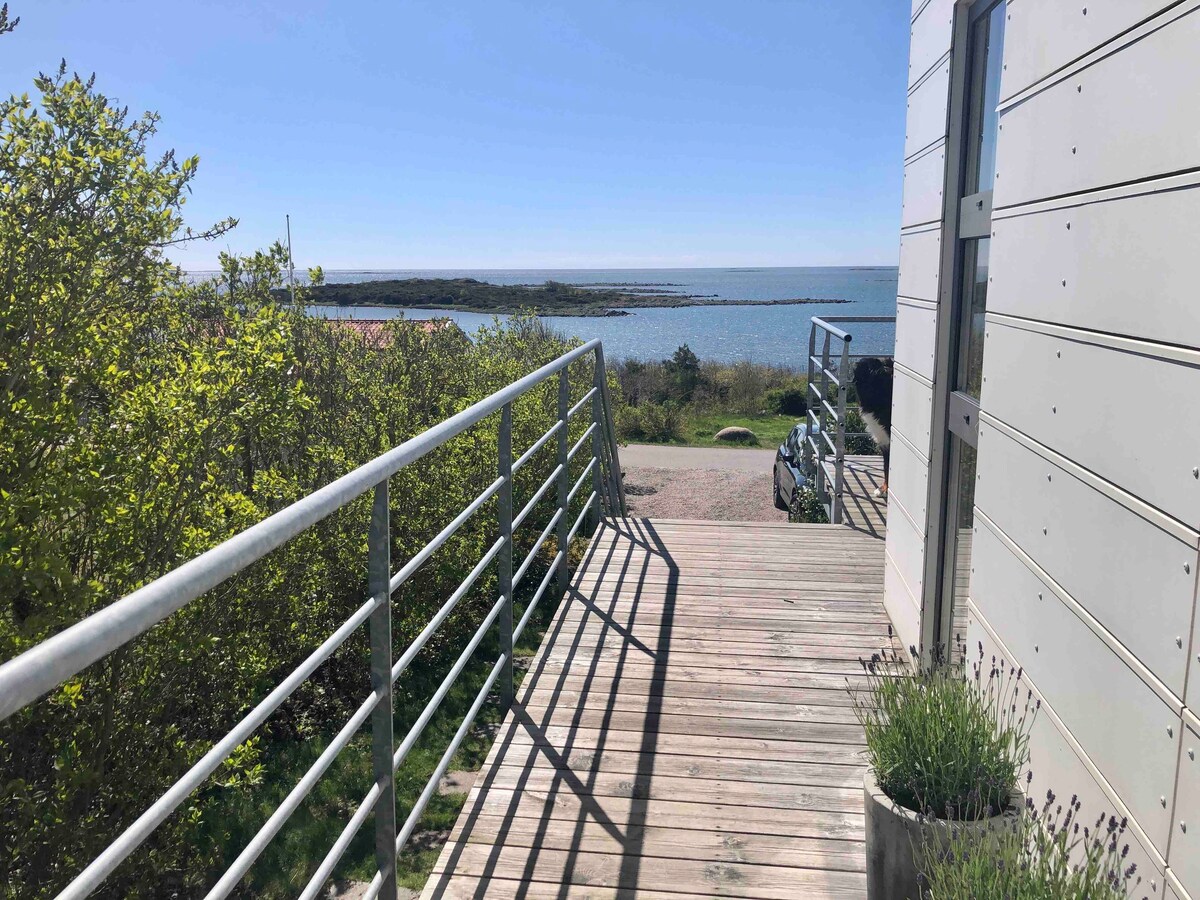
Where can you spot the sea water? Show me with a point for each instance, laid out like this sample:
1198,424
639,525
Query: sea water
767,334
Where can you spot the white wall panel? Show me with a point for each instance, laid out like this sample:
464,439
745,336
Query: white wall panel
926,120
924,178
1192,698
1056,766
906,546
1041,37
1127,417
1116,121
1138,289
912,409
916,336
909,480
1184,857
929,38
1126,729
1075,533
902,607
920,263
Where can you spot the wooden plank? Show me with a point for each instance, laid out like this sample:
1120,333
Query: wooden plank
813,707
650,840
693,790
685,729
644,723
584,762
567,806
786,619
582,738
609,870
724,633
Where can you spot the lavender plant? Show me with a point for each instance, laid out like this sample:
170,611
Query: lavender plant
1046,854
941,743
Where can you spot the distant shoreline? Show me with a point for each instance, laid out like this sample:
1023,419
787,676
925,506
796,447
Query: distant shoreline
550,299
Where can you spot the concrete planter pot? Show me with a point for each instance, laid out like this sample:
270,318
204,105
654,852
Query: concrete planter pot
897,837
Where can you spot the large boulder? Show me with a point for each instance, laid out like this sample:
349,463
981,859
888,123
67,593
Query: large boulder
735,434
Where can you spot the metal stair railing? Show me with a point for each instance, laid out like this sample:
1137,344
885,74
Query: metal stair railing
44,667
826,422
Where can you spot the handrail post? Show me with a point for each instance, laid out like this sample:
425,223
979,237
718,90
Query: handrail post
810,387
840,457
610,432
564,477
598,446
379,566
823,424
505,556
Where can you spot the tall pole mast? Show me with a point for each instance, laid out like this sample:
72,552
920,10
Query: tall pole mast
291,265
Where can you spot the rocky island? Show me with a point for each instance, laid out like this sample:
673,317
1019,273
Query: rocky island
553,298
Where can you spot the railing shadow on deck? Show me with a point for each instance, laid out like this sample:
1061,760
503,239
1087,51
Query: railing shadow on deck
640,538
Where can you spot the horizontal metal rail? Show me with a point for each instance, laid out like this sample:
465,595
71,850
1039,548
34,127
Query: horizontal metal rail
578,406
45,666
533,501
538,444
579,443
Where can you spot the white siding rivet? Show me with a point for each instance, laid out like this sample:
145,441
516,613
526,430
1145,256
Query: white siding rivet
1182,825
1170,731
1054,409
1068,226
1036,649
1191,753
1073,149
1059,354
1064,282
1039,595
1044,531
1085,10
1048,478
1163,801
1196,472
1179,642
1187,568
1079,88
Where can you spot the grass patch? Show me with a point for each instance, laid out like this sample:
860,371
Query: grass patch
771,429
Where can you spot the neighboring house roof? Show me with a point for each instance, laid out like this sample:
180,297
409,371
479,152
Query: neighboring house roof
374,331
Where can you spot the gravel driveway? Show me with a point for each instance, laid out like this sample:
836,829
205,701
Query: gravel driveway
699,483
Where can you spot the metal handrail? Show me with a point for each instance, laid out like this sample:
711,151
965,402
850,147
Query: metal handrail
47,665
823,419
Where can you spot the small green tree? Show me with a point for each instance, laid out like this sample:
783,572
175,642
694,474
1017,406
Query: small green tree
684,369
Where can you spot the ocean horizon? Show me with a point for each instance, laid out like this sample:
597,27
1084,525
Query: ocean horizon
776,335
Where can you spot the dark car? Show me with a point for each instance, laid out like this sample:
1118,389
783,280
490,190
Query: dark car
788,477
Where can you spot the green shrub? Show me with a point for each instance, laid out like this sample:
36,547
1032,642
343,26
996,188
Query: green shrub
1051,854
807,508
790,400
941,743
147,418
659,423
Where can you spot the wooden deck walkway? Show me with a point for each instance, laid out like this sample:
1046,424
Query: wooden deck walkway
863,511
685,731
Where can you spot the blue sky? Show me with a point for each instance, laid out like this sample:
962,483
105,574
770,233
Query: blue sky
499,134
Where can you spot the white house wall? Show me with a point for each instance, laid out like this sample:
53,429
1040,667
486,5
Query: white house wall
917,311
1085,555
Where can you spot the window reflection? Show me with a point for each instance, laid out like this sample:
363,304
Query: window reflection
974,311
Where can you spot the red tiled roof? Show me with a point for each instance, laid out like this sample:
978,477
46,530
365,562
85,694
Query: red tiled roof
374,331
